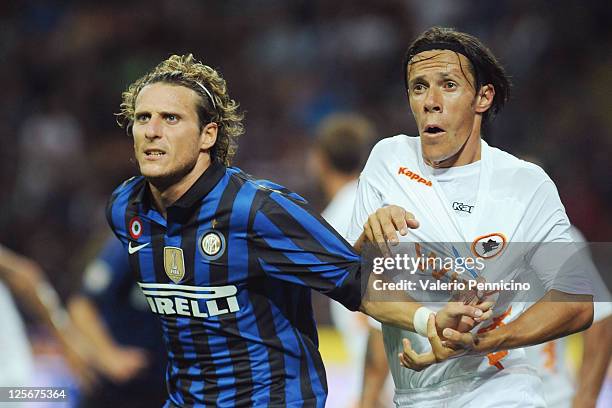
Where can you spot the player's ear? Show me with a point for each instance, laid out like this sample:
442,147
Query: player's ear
129,129
208,135
484,99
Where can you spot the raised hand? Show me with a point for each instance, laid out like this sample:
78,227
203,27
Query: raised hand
382,227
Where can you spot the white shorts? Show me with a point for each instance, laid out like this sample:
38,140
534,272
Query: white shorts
512,387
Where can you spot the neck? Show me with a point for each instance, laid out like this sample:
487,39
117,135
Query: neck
468,153
334,181
165,193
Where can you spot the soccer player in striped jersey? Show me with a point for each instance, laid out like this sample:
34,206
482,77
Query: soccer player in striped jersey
225,260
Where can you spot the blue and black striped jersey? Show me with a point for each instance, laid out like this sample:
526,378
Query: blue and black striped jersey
229,272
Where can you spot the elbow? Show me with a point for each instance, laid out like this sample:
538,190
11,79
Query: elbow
374,310
366,306
583,315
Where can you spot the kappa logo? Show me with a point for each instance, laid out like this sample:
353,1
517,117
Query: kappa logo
489,246
212,245
413,176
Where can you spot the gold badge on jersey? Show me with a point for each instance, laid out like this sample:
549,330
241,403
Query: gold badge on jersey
174,263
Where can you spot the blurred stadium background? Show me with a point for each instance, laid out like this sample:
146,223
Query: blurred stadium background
289,64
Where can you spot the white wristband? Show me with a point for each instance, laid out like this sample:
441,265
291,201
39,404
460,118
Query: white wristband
420,320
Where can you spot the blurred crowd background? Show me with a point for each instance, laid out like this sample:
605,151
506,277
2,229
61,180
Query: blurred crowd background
289,64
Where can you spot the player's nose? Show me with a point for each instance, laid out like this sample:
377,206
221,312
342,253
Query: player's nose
433,100
153,128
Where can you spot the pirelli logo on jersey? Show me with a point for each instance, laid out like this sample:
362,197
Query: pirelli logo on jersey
193,301
413,176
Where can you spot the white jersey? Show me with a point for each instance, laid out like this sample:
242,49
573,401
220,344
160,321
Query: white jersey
338,211
515,201
550,358
16,359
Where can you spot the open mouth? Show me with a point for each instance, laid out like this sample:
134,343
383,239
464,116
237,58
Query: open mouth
433,130
153,154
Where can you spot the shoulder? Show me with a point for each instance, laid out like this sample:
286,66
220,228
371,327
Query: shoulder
262,188
390,151
389,156
118,201
395,144
510,169
127,188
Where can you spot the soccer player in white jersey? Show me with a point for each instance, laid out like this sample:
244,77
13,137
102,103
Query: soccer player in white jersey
463,191
561,388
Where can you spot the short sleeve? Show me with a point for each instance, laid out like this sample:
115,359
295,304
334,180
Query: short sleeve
558,261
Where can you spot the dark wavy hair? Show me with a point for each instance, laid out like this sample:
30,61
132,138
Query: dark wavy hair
485,68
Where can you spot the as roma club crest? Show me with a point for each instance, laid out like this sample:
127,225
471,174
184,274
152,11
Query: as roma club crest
489,246
174,263
212,245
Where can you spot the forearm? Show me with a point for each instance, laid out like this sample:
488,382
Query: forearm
397,309
87,319
556,315
398,314
596,355
33,291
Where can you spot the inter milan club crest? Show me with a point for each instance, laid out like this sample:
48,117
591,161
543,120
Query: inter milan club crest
489,245
174,263
212,245
135,227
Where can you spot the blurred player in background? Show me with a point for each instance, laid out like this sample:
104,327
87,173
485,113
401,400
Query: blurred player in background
463,191
561,387
29,285
113,314
343,141
225,260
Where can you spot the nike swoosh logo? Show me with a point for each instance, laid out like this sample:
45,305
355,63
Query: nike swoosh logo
133,250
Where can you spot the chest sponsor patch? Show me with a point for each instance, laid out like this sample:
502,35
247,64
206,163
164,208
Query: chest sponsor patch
193,301
413,176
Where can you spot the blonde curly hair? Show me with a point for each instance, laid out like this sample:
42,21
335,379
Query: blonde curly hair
185,70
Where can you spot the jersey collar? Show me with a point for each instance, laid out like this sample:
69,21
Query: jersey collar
205,183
